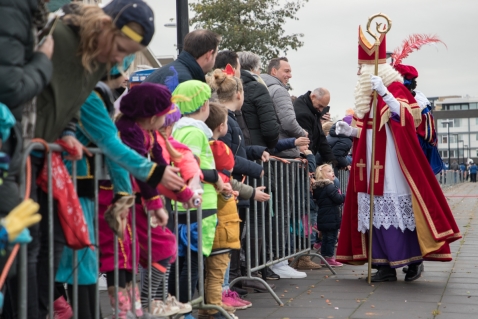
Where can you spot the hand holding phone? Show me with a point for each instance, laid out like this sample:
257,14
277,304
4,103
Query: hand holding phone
45,39
324,114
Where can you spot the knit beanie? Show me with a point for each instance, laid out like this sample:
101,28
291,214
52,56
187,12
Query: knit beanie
146,100
196,92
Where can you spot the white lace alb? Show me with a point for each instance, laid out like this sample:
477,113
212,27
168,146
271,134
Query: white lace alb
390,210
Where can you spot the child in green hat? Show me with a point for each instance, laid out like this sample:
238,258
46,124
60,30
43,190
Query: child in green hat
193,132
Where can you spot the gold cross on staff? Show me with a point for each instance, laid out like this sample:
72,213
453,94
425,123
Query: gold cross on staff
361,165
377,167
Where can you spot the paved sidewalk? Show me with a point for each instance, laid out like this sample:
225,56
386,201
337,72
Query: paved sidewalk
445,290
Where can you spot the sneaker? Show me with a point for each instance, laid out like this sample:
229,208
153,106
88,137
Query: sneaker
231,298
285,271
62,309
124,304
183,307
160,309
332,262
305,263
102,284
236,296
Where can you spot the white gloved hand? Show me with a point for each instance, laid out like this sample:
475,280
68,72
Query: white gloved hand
392,103
377,85
342,128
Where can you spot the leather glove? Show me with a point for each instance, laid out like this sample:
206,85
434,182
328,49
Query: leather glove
21,217
342,128
377,85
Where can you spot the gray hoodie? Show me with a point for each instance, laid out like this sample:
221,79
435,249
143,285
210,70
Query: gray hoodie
285,113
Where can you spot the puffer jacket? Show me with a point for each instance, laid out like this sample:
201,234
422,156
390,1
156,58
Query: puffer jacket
243,155
259,113
228,224
328,198
285,113
340,145
24,73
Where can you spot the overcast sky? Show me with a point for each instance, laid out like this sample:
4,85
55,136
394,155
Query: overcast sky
329,55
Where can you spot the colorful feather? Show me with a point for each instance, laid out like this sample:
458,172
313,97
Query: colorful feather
172,81
413,43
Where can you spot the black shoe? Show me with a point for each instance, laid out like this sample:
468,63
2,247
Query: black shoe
241,292
414,272
270,275
256,286
405,269
384,273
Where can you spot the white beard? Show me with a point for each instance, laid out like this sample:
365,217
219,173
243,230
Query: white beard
363,89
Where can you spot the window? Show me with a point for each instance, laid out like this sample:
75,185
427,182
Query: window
443,154
473,106
476,120
452,138
445,123
444,139
456,123
476,137
464,106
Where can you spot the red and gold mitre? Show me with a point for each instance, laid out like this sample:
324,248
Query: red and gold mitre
366,50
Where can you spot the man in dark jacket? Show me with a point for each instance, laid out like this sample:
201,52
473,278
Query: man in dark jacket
258,108
308,110
196,59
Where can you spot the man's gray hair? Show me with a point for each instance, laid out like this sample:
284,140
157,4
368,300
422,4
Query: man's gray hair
249,61
320,92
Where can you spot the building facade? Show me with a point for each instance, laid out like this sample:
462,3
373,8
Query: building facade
456,121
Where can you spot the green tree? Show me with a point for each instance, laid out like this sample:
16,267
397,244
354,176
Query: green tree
250,25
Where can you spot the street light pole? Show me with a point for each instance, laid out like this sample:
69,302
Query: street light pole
182,22
447,122
464,152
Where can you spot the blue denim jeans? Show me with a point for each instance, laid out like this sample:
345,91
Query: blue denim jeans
329,239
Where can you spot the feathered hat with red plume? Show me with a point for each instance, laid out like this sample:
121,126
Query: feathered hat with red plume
413,43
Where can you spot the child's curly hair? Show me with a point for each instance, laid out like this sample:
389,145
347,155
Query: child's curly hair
318,171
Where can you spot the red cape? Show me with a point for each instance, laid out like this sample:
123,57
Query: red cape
436,226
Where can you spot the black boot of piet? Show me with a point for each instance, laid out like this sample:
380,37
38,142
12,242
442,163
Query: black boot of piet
414,272
384,273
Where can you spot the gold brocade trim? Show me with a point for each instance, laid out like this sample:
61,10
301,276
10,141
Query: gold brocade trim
398,262
457,235
108,188
354,122
420,198
427,242
151,171
439,256
417,115
154,197
123,193
380,61
359,132
120,242
364,248
384,116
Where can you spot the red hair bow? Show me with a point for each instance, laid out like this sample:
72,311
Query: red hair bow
229,70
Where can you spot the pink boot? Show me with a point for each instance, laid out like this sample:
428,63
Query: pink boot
62,309
124,304
138,309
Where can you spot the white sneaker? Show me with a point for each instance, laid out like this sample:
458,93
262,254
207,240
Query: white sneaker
285,271
102,285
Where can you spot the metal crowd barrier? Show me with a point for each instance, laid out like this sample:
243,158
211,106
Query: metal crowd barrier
196,301
451,177
290,206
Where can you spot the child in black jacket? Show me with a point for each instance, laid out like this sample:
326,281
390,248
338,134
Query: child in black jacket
328,198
